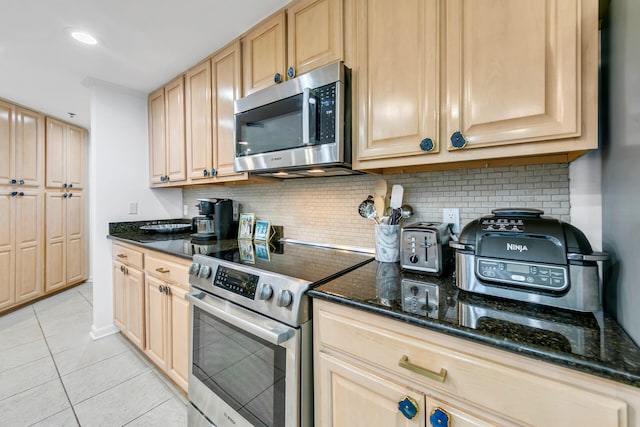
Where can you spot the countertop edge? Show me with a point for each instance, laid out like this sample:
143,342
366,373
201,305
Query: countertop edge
574,363
148,247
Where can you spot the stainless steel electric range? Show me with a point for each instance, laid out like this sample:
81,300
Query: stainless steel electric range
250,358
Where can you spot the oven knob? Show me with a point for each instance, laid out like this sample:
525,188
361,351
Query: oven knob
266,292
285,299
193,270
205,272
413,259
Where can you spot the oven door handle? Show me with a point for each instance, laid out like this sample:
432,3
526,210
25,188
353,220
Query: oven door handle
247,321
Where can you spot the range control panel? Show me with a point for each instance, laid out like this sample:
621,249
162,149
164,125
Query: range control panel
522,274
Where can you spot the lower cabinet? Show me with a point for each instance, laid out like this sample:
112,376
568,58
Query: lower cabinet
167,317
373,371
128,307
150,307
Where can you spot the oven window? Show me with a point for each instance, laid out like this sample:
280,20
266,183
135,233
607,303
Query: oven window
247,372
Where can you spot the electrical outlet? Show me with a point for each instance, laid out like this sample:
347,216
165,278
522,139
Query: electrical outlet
452,216
133,208
185,210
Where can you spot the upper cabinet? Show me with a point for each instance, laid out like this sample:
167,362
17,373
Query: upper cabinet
198,122
315,37
167,156
64,155
475,80
21,146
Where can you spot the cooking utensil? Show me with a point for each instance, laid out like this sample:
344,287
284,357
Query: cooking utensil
397,192
378,203
367,209
406,211
380,189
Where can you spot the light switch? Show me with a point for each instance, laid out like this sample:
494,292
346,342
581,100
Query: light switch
133,208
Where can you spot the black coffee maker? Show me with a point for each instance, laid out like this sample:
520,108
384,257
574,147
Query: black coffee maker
215,220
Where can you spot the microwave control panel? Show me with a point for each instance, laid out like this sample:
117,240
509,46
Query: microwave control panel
327,116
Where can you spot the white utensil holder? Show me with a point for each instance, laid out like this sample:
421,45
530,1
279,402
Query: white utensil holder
387,239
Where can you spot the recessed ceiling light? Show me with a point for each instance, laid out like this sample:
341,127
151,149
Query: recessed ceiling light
83,37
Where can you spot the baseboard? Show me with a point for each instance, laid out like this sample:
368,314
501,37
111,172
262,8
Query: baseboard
96,333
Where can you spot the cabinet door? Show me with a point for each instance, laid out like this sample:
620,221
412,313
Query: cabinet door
226,85
174,130
7,171
55,242
397,57
55,153
349,396
119,296
198,121
157,145
28,244
29,145
7,253
75,237
263,51
135,306
74,157
178,360
512,71
156,317
315,34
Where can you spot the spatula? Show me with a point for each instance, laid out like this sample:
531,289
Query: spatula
397,192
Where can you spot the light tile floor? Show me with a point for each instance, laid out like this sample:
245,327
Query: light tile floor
52,373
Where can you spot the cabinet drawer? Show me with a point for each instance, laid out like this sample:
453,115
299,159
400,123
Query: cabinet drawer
169,270
127,256
505,390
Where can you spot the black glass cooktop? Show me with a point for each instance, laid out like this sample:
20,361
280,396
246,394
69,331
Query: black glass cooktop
305,262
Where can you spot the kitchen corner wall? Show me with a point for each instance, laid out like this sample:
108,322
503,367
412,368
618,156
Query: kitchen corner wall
325,210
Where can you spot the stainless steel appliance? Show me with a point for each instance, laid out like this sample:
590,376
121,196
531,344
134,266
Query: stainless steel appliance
250,358
424,247
215,220
520,254
298,128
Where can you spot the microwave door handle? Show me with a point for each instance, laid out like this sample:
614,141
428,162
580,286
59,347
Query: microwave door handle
309,114
253,325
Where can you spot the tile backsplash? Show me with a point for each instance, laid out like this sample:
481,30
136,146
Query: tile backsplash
325,210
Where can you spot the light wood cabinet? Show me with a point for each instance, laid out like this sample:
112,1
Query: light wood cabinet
20,246
65,262
501,80
369,361
21,146
64,155
307,35
167,316
167,150
226,89
200,153
129,294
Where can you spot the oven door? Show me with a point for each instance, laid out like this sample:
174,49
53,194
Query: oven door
244,369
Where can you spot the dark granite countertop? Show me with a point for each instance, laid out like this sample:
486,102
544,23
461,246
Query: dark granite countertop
589,342
177,244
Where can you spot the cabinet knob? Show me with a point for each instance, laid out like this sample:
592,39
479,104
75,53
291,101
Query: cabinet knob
64,185
14,193
70,185
426,144
291,72
13,181
458,140
122,268
205,172
162,178
22,182
160,288
166,177
21,194
439,418
277,78
166,290
70,195
213,172
65,195
409,407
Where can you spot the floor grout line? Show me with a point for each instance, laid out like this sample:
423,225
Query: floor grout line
66,393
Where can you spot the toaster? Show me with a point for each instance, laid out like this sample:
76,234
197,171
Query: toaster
424,247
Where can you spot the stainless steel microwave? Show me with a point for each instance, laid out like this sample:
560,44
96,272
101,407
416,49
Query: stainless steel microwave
298,128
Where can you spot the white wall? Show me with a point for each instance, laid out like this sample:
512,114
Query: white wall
118,175
621,161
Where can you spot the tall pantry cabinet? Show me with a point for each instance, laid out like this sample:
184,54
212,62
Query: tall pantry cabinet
21,155
64,205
